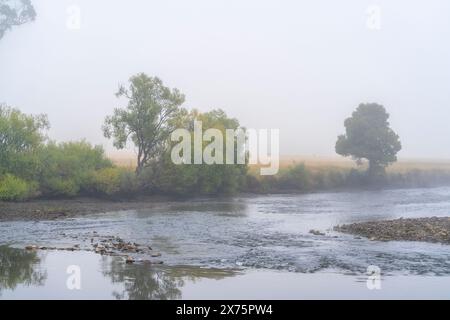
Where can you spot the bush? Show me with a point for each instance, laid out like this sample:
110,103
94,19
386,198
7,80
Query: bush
57,186
15,189
113,181
20,136
295,178
66,168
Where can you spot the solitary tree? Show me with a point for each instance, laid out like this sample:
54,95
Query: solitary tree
369,136
147,118
15,13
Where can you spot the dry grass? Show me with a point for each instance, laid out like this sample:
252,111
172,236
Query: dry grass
124,159
315,163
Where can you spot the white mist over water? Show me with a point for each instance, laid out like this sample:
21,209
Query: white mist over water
299,66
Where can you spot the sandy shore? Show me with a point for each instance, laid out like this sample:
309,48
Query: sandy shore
421,229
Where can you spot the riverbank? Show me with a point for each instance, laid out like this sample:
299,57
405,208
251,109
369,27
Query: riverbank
41,209
66,208
431,229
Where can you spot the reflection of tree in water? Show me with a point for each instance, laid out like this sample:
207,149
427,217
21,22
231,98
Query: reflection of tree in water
141,282
146,282
19,267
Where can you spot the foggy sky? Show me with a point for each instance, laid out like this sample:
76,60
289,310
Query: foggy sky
300,66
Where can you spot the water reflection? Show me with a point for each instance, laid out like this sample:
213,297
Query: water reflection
19,267
30,275
225,206
147,282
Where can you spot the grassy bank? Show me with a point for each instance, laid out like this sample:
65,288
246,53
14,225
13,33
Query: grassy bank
78,169
303,174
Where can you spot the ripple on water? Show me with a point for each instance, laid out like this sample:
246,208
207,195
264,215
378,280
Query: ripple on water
263,232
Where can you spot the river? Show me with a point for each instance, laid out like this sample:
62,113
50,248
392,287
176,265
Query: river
253,247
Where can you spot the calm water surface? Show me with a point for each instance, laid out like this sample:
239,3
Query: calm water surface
247,247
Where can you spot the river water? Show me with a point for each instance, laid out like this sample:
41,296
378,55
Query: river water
244,247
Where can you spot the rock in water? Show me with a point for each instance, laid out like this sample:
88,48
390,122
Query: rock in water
316,233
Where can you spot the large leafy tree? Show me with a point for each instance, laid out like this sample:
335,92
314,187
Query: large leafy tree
19,267
369,136
205,179
20,136
146,120
15,13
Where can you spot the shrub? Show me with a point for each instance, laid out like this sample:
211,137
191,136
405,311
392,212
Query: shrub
65,168
20,136
57,186
15,189
295,178
113,181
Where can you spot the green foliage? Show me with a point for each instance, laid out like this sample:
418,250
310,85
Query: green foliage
198,179
146,120
166,177
31,166
203,179
113,181
21,136
65,168
295,178
368,136
261,184
15,189
18,267
15,13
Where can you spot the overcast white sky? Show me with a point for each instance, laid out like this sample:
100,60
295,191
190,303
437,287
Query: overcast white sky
301,66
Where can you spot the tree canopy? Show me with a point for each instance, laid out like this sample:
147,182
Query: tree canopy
369,136
146,120
15,13
20,135
206,179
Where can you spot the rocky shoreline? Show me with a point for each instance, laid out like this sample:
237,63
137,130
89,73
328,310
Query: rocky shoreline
434,229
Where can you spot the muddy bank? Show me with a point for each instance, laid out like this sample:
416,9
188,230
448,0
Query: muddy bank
57,209
421,229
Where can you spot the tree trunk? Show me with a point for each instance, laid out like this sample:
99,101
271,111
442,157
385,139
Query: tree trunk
376,170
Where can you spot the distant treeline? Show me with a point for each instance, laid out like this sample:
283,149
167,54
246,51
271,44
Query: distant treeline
33,166
298,178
